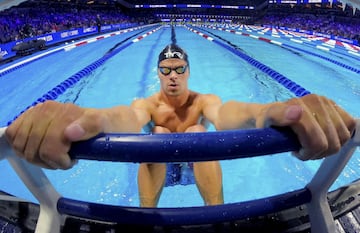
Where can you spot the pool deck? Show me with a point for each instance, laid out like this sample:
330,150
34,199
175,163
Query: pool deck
18,215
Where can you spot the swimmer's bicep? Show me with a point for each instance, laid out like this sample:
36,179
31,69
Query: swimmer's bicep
211,108
141,111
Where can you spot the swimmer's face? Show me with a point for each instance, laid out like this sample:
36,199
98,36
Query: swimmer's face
173,74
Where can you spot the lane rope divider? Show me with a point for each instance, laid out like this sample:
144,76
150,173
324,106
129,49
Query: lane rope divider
72,80
356,70
322,43
312,40
287,83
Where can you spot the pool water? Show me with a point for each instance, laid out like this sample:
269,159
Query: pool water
131,73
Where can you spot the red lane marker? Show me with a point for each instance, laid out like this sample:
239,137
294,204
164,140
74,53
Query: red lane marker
81,43
264,39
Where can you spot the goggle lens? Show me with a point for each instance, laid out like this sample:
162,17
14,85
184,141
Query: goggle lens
167,70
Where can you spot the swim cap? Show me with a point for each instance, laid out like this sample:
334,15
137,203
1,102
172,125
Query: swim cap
173,51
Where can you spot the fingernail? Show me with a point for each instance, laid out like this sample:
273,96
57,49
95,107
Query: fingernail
293,112
300,154
63,163
74,162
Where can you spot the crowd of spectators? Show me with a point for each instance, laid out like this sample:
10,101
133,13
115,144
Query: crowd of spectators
36,18
319,24
209,2
332,21
40,17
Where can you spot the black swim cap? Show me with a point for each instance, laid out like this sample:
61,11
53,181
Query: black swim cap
173,51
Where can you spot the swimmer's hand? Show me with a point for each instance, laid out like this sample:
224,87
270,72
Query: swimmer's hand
43,134
321,126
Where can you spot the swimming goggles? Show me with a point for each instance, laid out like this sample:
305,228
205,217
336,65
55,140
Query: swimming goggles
178,70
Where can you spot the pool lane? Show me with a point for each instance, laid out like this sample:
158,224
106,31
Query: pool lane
25,84
135,66
310,72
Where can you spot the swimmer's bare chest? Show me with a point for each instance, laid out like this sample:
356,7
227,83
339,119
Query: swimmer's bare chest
176,120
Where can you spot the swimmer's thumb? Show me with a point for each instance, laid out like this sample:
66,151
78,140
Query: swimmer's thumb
74,132
279,114
77,131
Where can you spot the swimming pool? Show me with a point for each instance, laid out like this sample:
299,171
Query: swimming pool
215,68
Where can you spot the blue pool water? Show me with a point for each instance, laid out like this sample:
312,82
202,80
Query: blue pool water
131,73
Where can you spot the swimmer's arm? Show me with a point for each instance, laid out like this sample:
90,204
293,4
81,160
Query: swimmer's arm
121,119
210,107
141,108
239,115
230,115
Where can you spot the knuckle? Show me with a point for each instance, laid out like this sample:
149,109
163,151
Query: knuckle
46,104
10,133
318,146
18,146
344,137
69,106
334,148
69,112
47,156
29,156
293,101
331,102
47,150
46,109
351,125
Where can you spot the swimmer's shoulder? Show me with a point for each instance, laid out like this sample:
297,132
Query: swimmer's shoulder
149,102
211,97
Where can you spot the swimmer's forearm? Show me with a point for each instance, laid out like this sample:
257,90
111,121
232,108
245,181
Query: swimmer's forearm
235,115
121,119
